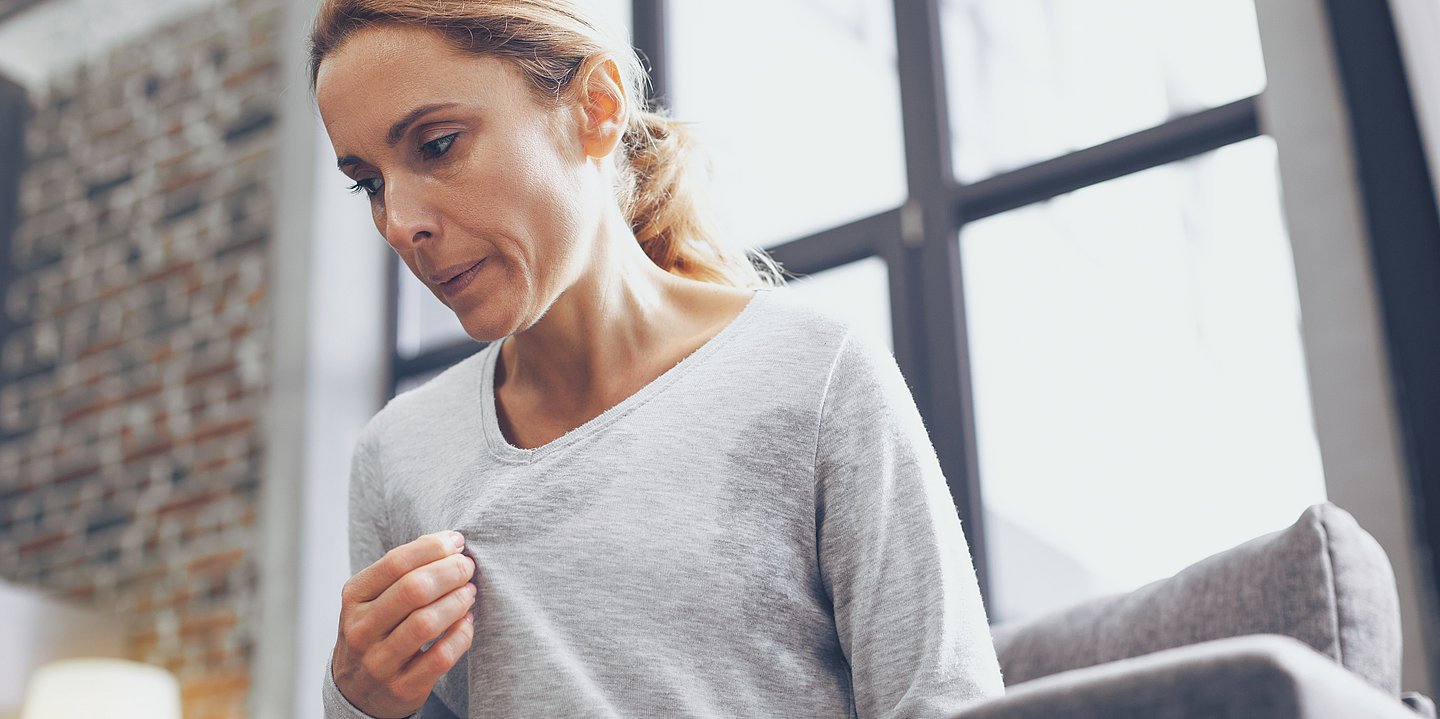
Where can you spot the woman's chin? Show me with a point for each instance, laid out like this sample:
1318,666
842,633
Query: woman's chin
484,326
500,315
485,334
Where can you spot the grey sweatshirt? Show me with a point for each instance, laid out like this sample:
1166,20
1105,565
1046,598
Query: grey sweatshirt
762,531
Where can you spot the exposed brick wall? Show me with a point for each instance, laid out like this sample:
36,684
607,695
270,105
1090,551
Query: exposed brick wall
132,387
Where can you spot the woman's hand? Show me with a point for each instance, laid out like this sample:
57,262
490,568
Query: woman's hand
392,608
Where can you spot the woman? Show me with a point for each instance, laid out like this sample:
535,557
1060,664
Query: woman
665,488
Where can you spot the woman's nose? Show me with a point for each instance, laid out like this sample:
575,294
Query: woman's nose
408,217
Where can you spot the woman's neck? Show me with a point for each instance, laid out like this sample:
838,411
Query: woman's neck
605,327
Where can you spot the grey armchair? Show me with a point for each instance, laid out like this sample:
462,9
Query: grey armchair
1303,622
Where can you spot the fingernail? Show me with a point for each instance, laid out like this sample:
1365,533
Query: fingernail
457,540
469,618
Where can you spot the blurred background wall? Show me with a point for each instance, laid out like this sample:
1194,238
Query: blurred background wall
136,356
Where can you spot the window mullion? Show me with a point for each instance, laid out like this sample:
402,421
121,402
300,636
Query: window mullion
1175,140
836,246
928,298
650,36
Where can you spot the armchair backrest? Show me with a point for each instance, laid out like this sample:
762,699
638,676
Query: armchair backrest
1324,581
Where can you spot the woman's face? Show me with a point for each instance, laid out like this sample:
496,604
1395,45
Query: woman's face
462,164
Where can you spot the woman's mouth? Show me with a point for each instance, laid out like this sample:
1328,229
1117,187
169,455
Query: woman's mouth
458,283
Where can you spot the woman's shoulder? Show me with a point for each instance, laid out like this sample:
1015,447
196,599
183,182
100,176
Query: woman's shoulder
795,317
786,343
853,346
797,323
440,398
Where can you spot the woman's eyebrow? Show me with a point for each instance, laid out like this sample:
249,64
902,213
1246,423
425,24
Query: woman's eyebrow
397,130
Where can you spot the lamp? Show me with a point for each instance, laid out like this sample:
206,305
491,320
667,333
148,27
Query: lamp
101,689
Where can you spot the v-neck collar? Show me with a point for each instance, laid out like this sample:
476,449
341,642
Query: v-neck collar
501,448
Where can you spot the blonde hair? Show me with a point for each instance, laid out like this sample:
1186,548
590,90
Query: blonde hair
661,169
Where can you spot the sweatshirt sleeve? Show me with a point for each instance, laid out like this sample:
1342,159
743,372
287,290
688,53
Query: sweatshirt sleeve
367,544
893,559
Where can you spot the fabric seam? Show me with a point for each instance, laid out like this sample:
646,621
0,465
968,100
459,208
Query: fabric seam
815,460
1332,586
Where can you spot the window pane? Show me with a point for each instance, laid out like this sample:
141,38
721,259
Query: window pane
1140,388
800,112
423,322
1033,79
859,292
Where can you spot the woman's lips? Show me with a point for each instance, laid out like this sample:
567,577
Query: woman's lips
458,283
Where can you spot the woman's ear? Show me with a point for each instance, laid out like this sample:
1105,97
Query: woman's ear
605,108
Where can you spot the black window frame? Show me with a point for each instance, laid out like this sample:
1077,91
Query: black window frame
1402,224
15,7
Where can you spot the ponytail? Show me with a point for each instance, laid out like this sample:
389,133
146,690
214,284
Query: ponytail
662,194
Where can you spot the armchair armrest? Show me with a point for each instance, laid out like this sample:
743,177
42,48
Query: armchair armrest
1241,677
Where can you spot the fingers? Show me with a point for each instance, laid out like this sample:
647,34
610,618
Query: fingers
426,669
390,610
422,626
419,588
375,579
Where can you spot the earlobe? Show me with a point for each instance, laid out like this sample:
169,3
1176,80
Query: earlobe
605,105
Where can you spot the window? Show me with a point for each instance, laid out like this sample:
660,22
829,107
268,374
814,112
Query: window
1033,79
1132,324
803,136
1135,348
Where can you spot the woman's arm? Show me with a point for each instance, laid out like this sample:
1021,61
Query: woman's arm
399,598
366,547
894,561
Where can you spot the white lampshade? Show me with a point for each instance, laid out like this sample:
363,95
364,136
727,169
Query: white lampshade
101,689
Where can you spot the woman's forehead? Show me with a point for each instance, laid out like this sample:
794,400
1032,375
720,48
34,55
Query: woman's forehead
382,72
403,57
386,43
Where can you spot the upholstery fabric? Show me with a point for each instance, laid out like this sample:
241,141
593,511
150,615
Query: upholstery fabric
1324,581
1237,678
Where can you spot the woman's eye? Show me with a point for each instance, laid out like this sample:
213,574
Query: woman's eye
371,185
438,146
